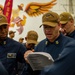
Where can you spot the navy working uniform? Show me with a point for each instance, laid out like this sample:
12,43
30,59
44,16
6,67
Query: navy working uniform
54,49
67,24
65,64
3,70
72,35
27,68
10,52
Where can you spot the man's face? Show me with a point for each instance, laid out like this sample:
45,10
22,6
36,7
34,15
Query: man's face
12,35
3,32
67,26
21,41
51,32
30,45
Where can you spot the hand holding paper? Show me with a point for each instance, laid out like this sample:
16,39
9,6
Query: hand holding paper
38,60
27,53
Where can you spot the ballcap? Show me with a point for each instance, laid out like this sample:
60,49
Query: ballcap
3,20
65,17
32,37
50,18
21,38
10,32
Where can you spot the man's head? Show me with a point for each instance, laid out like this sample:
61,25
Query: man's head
21,40
12,34
67,22
50,19
50,22
65,17
31,39
3,27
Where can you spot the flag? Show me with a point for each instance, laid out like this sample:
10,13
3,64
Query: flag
20,30
17,20
8,9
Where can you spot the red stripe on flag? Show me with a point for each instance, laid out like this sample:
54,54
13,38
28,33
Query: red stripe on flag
17,19
8,9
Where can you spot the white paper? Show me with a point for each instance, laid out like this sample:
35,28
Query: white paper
38,60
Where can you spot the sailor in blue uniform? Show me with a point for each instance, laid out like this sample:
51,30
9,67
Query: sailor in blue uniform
60,47
53,48
67,24
11,51
64,64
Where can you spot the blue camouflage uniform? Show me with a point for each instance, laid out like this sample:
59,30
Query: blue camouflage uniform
10,52
3,70
55,48
65,64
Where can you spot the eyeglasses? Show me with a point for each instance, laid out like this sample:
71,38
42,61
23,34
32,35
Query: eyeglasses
31,44
47,27
63,25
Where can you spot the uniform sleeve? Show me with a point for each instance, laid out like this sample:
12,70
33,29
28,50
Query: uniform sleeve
65,64
20,54
3,70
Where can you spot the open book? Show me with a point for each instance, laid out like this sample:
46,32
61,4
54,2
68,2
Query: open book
38,60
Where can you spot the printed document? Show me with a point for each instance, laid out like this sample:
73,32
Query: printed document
38,60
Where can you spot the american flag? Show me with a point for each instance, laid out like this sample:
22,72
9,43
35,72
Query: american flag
17,19
20,30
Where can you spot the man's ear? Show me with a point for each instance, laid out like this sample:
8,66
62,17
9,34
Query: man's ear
26,38
59,25
72,21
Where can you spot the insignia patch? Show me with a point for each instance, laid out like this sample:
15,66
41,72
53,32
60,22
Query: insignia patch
57,42
11,55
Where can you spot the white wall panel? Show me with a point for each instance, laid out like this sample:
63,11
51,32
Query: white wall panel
33,23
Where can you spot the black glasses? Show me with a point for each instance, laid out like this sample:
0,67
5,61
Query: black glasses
63,25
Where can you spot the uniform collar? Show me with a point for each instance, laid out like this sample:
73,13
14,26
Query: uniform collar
71,34
56,42
3,42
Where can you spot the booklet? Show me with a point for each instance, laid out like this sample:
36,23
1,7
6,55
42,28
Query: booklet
38,60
